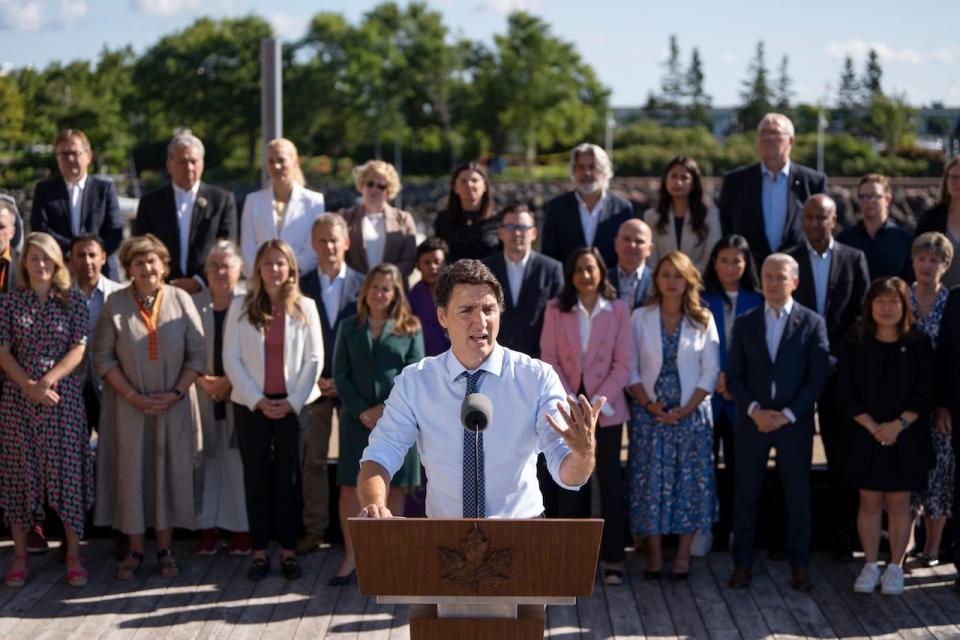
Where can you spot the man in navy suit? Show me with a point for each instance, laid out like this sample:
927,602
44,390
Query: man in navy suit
776,370
187,215
631,276
588,216
334,287
762,202
529,280
833,281
76,203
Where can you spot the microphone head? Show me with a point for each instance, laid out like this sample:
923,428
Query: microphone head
476,412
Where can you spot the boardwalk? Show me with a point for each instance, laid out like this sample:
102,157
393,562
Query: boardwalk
213,599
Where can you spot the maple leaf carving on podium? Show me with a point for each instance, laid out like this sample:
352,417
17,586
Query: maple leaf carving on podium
474,563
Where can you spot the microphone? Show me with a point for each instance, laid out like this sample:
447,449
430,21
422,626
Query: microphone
476,412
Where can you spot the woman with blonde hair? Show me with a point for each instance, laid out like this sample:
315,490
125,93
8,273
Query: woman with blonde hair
672,487
284,210
372,348
272,354
45,450
149,349
378,231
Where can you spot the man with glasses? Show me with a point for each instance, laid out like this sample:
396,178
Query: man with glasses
886,245
763,202
529,280
75,203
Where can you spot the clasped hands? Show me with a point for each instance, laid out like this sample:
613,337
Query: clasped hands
673,416
769,420
274,409
41,392
886,433
217,387
153,404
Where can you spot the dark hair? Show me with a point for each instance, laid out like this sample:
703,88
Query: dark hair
455,209
568,295
516,209
881,287
465,271
698,210
944,191
749,279
87,237
431,244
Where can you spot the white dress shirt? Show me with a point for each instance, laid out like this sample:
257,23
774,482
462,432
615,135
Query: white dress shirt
75,193
774,326
590,218
185,201
820,264
331,291
515,271
585,321
424,409
374,238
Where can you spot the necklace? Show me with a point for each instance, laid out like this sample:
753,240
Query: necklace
146,301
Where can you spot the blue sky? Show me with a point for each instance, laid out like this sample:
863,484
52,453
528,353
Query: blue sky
624,40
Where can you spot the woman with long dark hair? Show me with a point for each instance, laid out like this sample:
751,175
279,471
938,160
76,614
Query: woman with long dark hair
681,220
469,224
945,217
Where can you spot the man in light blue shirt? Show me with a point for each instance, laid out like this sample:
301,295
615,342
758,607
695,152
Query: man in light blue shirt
528,411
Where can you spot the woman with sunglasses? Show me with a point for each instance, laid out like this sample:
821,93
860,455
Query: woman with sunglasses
379,232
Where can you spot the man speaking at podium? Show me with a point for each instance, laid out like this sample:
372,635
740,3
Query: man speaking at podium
491,473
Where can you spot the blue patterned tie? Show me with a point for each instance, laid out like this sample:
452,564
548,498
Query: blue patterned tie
474,504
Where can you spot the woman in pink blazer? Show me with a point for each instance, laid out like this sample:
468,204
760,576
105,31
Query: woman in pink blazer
586,337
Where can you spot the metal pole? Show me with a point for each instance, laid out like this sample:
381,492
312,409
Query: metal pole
271,94
821,131
610,124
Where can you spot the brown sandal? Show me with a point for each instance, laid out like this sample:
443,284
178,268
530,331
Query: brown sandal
168,564
128,570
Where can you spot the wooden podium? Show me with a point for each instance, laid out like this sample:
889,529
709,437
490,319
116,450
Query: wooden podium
476,578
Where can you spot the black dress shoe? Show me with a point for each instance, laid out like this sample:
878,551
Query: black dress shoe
259,569
291,568
339,581
800,580
679,576
740,579
651,575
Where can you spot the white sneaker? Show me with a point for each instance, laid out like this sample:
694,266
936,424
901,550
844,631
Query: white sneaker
891,584
868,579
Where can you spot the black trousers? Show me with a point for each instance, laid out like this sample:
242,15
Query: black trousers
576,504
844,499
268,449
723,433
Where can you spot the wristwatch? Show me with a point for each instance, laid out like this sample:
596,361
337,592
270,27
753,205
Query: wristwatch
904,423
180,394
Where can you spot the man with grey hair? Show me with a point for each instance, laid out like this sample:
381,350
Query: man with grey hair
589,215
187,215
776,370
762,201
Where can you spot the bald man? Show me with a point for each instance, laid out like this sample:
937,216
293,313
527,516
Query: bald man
631,276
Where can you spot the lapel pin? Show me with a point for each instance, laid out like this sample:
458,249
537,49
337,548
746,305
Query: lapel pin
201,202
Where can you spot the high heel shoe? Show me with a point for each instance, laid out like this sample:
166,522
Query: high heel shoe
339,581
77,576
15,578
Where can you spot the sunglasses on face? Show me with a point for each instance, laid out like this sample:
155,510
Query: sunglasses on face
376,185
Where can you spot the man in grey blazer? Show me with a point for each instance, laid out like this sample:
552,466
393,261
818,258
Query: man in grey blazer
631,276
776,370
333,286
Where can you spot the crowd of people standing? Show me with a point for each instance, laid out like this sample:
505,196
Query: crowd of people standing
716,332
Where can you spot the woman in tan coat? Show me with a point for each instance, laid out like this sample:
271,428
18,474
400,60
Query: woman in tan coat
149,348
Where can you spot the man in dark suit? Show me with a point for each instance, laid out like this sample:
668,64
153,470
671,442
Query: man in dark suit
589,215
334,287
76,203
762,202
834,282
529,280
631,276
187,215
776,369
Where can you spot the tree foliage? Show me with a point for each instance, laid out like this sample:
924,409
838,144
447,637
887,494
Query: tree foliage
756,95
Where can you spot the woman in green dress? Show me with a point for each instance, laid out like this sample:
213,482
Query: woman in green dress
370,351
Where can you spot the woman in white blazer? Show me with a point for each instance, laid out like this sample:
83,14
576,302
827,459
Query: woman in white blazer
284,210
671,484
681,220
272,354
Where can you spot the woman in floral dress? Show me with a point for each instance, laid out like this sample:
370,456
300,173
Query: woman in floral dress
932,255
672,487
44,446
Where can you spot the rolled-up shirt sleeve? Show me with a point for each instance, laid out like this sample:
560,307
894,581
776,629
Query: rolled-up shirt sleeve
553,447
396,431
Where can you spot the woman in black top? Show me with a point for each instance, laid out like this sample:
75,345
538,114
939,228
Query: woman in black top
469,224
885,388
945,217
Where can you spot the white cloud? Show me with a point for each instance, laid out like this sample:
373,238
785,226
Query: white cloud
5,68
728,57
72,10
164,7
504,7
858,50
286,26
21,15
946,55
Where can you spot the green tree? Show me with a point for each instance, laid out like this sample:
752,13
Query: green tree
848,98
672,89
698,107
11,111
784,93
893,121
871,84
756,95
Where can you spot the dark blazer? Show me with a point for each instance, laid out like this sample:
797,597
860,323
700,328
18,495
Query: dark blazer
641,293
520,326
562,231
947,383
214,217
310,286
933,219
746,300
799,370
847,284
99,212
399,248
741,205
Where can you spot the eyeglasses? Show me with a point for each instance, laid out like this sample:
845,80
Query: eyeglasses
513,228
870,197
376,185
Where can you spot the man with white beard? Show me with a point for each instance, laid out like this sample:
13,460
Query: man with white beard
589,215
